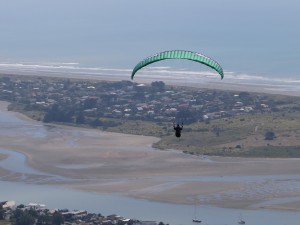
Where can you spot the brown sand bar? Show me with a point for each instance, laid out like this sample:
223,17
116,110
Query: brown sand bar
105,162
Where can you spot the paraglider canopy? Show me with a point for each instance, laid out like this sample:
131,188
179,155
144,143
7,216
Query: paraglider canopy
179,54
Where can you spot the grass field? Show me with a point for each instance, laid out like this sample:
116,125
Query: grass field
5,222
242,135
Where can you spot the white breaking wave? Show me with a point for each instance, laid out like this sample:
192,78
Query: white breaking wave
164,73
70,66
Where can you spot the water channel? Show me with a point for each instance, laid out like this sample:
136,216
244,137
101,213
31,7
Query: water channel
59,197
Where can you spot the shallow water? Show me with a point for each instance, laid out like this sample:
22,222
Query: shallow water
174,214
16,162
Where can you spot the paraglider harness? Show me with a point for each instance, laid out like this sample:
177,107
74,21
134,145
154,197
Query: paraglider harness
178,129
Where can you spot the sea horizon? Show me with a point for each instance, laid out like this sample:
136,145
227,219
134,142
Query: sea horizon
257,38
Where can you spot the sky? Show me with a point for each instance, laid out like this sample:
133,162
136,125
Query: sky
255,37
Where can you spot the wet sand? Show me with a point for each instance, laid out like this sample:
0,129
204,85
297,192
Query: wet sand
104,162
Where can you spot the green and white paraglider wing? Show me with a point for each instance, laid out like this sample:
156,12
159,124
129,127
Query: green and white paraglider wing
179,54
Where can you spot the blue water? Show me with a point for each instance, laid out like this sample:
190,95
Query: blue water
174,214
58,197
16,162
253,40
10,124
258,37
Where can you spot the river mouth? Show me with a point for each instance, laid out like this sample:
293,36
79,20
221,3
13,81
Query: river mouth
16,162
107,204
108,173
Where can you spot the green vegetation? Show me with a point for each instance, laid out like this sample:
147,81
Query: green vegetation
226,123
37,215
5,222
227,137
137,127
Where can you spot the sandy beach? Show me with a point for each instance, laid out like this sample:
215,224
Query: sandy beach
232,82
104,162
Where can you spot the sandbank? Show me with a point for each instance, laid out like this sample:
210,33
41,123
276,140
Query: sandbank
104,162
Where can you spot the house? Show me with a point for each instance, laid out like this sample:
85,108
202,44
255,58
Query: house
117,112
238,104
75,213
36,206
8,204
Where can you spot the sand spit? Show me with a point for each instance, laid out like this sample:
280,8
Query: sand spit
104,162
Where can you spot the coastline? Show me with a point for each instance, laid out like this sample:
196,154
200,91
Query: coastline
103,162
230,82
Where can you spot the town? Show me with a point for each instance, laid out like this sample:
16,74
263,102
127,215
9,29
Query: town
212,118
39,214
83,101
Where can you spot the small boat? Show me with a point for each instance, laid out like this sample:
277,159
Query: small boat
196,220
241,222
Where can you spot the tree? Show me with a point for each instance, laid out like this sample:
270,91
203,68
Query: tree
186,116
56,114
96,123
158,86
32,212
24,218
57,218
44,219
21,206
1,212
51,114
80,119
269,135
90,103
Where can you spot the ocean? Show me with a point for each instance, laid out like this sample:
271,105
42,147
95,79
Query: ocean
252,39
256,42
